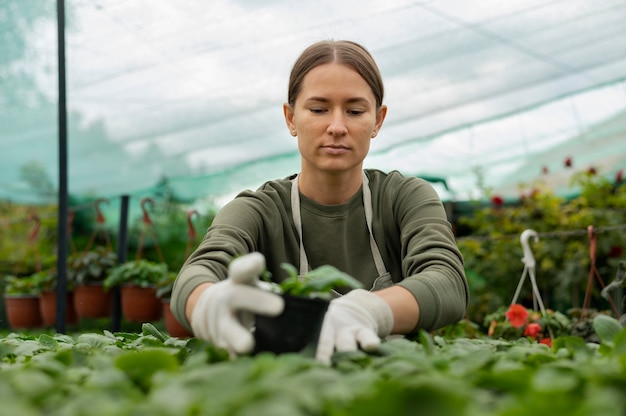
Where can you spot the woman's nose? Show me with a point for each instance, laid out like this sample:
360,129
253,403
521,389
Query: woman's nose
337,125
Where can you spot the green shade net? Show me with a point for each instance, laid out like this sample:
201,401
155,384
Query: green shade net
481,94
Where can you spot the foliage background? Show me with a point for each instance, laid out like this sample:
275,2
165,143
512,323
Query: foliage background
493,252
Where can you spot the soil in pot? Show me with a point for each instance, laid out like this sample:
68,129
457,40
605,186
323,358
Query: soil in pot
296,329
48,307
140,304
23,311
92,301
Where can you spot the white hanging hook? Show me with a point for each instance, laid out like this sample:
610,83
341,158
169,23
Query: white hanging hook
528,259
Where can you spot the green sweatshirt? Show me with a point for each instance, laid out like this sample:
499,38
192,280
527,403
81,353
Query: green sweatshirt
409,225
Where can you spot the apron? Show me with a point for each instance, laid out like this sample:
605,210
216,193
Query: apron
384,278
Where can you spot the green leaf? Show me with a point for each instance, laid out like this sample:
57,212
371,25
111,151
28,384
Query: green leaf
321,280
607,328
48,342
140,366
148,329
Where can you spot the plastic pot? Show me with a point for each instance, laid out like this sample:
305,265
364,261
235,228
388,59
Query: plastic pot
23,311
92,301
140,304
296,329
172,326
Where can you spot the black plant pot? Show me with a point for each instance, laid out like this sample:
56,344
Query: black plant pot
296,329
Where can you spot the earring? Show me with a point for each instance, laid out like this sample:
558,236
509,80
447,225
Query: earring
374,134
293,132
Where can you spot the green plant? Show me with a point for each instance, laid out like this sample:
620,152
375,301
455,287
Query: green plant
23,286
143,273
46,280
319,282
90,266
492,251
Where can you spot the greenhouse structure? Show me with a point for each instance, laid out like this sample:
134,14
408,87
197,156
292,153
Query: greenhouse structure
127,125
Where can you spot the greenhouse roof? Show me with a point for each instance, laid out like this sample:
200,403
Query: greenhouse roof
482,95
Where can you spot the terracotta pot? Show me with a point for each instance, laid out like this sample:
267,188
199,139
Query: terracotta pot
172,326
140,304
296,329
48,308
92,301
23,311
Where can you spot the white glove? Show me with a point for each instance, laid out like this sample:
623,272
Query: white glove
358,318
223,314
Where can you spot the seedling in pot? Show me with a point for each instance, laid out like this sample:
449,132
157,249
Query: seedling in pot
318,283
298,327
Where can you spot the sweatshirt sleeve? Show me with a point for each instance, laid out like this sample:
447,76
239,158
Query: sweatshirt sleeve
431,260
230,235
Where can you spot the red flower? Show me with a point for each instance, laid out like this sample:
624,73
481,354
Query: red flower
591,171
532,330
545,170
546,341
517,315
568,162
619,176
497,201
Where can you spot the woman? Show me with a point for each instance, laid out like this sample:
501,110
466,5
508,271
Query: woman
388,231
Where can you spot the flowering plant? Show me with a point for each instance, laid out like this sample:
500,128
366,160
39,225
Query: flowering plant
516,321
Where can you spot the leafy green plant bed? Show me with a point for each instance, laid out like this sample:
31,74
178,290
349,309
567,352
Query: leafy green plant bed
150,373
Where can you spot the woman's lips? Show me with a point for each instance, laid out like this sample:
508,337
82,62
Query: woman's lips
335,150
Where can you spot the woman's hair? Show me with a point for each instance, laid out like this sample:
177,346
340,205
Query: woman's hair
343,52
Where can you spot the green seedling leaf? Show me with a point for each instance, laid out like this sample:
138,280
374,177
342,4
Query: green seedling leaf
322,280
48,342
606,328
149,329
325,278
141,365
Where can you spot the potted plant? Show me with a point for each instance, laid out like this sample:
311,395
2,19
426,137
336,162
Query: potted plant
46,283
164,292
87,271
138,280
21,300
298,327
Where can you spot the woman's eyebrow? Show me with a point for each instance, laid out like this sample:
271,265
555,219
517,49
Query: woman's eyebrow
350,100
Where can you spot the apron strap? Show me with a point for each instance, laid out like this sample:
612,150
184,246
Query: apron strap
367,205
297,220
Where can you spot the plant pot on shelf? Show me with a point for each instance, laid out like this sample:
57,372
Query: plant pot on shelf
296,329
172,326
23,311
140,304
92,301
48,308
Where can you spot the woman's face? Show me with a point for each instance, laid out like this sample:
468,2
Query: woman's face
334,117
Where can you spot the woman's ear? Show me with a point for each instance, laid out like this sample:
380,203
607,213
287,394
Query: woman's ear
288,112
381,113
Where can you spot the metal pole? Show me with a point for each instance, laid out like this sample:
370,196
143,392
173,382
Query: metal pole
122,250
63,210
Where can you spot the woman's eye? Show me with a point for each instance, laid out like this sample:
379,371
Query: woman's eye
355,112
316,110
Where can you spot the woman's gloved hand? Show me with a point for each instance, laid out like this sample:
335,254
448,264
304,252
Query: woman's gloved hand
224,312
357,319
